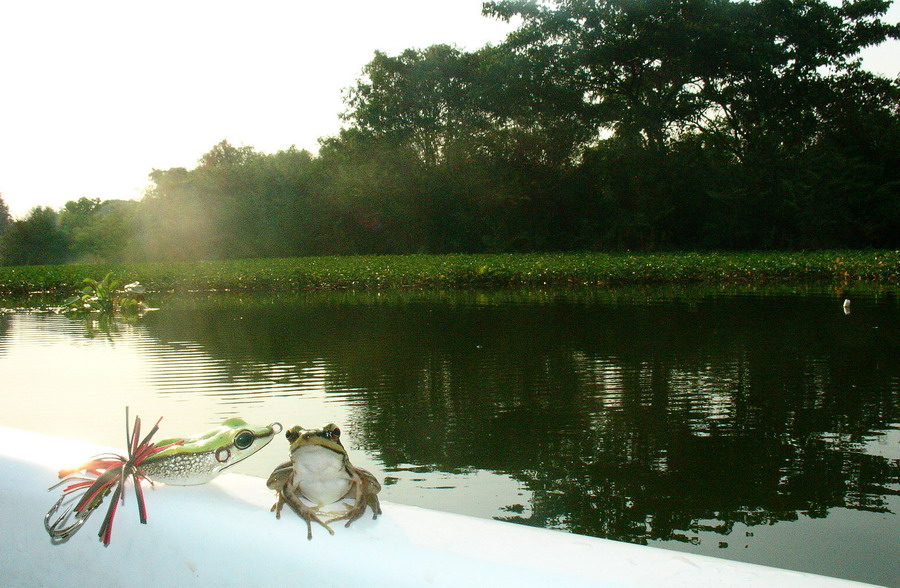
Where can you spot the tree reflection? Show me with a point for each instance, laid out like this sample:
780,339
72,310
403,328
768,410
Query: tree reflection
4,330
628,420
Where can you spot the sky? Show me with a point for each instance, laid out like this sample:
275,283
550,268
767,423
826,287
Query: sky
94,95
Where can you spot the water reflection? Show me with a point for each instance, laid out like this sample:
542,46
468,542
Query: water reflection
766,403
639,415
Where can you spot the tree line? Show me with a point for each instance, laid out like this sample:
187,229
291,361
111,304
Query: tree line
616,124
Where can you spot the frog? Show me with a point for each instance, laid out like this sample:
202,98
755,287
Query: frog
320,472
199,459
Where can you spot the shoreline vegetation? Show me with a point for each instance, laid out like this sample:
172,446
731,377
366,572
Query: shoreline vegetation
709,125
383,272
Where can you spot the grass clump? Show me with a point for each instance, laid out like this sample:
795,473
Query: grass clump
460,271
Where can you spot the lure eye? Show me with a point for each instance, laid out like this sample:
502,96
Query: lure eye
244,439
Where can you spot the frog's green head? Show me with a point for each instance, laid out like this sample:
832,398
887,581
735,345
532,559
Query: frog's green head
328,436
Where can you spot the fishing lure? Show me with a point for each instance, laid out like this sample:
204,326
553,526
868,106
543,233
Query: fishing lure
87,485
181,461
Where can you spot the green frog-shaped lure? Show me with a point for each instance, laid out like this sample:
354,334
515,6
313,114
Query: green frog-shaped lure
180,461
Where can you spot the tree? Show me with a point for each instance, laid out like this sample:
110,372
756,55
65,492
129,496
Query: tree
235,203
99,231
623,124
424,99
373,196
657,68
5,218
34,240
753,86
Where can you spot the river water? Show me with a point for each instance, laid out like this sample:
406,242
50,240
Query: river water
757,424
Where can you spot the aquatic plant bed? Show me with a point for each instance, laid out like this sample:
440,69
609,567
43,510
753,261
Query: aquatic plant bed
457,270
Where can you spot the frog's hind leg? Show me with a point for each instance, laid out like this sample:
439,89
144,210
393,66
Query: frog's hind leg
375,504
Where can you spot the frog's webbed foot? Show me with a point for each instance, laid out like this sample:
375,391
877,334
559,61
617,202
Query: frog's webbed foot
279,504
359,509
353,513
366,488
306,513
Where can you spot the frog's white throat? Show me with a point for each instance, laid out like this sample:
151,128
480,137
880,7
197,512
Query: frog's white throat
319,474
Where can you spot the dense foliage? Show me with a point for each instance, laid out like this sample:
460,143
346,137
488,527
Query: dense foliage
844,270
618,124
5,218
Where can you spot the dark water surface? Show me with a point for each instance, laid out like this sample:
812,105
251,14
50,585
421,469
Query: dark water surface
759,425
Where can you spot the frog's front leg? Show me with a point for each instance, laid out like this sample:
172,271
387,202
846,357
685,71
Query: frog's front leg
279,504
277,481
281,480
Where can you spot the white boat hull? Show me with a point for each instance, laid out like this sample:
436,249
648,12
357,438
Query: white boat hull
222,534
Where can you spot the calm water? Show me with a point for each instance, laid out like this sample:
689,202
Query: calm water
762,426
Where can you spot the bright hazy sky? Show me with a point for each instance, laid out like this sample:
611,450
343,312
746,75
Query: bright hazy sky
97,93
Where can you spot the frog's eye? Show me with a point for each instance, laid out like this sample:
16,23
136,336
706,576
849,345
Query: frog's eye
334,433
244,439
